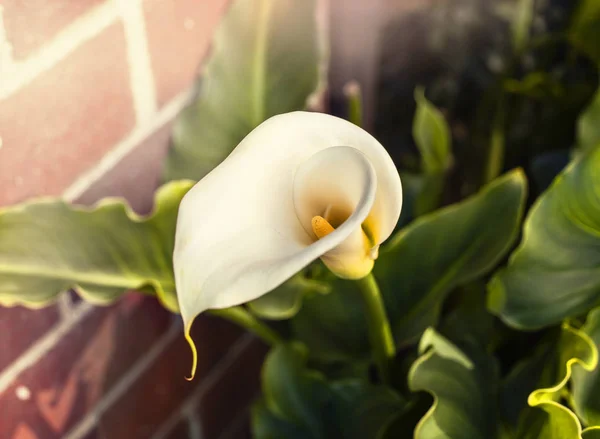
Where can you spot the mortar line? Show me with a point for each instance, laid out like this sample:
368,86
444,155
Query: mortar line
141,77
42,346
84,426
213,377
20,73
122,148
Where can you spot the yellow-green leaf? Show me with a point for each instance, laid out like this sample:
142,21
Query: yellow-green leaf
586,384
431,134
48,246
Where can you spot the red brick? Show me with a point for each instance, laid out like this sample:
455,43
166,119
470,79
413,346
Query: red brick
227,399
70,379
179,34
20,327
161,390
136,176
30,24
66,119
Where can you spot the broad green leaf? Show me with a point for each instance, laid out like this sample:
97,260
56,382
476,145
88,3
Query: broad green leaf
584,29
555,271
421,265
588,125
264,61
445,249
333,325
432,135
48,246
586,384
556,421
285,301
299,402
463,389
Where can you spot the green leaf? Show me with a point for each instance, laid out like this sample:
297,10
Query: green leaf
416,271
556,421
555,271
333,325
463,389
48,246
591,433
446,249
300,403
588,125
264,61
285,301
586,384
584,29
431,134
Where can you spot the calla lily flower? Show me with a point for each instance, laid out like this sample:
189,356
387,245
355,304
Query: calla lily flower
300,186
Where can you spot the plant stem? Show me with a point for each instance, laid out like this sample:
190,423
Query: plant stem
240,316
380,332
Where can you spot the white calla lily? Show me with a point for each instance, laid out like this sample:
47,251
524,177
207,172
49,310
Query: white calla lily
300,186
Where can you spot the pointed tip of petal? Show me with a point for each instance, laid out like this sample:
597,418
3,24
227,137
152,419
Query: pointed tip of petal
190,341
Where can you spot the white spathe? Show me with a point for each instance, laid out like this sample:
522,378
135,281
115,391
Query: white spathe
246,228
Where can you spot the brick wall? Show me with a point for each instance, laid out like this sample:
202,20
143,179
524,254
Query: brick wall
88,91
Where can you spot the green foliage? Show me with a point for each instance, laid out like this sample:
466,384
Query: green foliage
462,242
556,421
300,403
555,271
264,61
463,388
47,247
432,135
586,384
584,31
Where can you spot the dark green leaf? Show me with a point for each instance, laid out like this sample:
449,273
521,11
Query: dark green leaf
464,391
300,403
445,249
264,61
48,246
555,271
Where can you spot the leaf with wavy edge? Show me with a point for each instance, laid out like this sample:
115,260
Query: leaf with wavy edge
555,271
576,349
586,384
461,387
48,246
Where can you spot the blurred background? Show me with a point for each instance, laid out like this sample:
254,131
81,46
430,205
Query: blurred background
89,90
